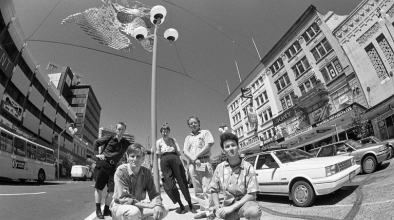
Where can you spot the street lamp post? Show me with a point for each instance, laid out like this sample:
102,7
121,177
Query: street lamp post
336,131
73,131
157,16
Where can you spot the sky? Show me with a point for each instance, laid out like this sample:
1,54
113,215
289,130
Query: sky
213,35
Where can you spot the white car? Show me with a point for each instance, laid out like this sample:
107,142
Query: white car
297,174
81,172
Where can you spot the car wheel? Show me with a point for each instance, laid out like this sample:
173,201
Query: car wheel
41,177
391,153
303,194
74,179
369,164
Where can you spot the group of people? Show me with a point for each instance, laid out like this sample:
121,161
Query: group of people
128,183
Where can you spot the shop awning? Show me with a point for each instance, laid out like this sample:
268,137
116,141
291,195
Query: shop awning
341,120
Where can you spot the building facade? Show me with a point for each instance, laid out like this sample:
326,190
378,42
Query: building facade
31,104
366,36
304,90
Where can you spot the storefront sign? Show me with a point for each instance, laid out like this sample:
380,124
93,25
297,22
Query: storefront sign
343,99
6,65
17,164
12,107
5,122
283,117
252,116
334,116
305,129
250,141
23,133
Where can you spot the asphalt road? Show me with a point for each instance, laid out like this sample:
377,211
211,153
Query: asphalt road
367,197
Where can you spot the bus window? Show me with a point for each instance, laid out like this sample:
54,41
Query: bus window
41,154
31,151
6,142
50,158
19,147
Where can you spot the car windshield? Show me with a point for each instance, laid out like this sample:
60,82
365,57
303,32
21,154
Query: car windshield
314,151
354,144
377,140
291,155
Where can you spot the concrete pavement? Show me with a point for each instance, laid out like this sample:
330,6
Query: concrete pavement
172,215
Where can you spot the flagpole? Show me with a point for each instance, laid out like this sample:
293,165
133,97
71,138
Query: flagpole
228,88
256,49
238,71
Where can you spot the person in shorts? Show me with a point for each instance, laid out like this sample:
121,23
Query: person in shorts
114,147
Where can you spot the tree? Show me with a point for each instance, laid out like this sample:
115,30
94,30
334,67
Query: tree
361,125
68,162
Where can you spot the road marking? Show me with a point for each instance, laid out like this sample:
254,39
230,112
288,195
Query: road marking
21,194
93,215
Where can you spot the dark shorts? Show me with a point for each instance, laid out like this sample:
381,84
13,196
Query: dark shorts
104,175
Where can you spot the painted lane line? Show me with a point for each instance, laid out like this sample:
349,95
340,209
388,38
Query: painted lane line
21,194
93,215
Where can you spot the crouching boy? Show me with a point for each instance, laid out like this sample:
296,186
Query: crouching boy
132,181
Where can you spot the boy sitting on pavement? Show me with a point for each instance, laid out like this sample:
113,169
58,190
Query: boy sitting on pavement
132,181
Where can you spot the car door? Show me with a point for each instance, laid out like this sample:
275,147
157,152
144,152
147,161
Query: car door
268,175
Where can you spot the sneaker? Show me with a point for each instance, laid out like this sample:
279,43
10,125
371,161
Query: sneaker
201,215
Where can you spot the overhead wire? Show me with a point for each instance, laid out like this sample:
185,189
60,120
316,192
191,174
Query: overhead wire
140,61
224,34
42,22
136,60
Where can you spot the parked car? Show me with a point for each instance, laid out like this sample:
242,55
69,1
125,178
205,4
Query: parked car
81,172
299,175
369,156
375,140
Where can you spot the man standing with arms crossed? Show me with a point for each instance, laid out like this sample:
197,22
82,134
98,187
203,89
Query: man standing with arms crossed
197,148
114,147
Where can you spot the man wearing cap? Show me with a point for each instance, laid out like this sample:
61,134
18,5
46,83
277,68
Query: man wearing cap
114,147
197,148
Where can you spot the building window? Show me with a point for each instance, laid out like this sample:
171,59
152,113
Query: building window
38,86
277,65
282,82
287,100
311,32
386,48
266,96
341,96
332,70
307,85
300,67
293,49
376,62
321,49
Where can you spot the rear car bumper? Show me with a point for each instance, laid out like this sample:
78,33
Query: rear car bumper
330,184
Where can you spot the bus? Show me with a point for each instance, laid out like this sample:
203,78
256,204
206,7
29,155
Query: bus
22,159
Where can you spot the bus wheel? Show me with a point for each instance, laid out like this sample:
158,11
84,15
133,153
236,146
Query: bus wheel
22,180
41,176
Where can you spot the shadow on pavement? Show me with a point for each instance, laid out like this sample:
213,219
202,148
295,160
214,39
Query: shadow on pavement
330,199
273,199
383,166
